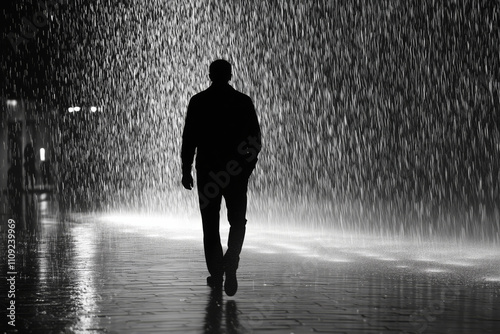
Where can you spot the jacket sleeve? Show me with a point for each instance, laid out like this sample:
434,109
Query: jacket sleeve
189,141
255,136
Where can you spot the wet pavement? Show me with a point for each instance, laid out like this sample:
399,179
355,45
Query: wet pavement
125,273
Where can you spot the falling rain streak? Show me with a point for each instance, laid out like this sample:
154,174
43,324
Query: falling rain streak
377,116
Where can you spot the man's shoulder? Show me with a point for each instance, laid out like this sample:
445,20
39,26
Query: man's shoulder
242,96
198,100
199,95
210,93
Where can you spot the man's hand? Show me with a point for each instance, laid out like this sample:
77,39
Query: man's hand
187,181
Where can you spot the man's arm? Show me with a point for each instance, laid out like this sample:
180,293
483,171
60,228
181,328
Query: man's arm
255,137
188,146
249,149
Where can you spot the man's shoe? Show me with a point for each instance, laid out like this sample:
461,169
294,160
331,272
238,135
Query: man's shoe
231,284
214,283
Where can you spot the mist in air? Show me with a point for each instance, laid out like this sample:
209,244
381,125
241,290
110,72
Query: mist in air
379,117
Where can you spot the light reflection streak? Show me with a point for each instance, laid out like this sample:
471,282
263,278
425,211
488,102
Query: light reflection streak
85,249
329,246
339,260
458,263
435,270
425,259
265,251
310,255
492,279
153,236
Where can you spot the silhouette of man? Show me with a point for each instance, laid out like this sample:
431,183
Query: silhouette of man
15,187
222,127
29,165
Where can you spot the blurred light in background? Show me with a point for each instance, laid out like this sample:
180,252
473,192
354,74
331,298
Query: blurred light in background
77,108
11,103
71,109
42,154
93,109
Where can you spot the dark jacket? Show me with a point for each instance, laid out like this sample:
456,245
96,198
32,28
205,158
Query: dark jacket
219,122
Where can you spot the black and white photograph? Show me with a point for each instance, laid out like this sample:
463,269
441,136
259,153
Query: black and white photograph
248,167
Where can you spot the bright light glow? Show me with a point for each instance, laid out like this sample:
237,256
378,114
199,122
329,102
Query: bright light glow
315,247
310,255
42,154
153,235
339,260
93,109
11,103
367,253
458,263
174,227
129,230
185,237
492,279
71,109
425,259
77,108
434,270
293,248
84,280
266,251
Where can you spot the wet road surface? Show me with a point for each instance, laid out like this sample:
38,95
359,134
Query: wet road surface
89,273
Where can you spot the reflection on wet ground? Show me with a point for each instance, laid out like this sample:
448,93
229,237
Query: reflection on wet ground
143,274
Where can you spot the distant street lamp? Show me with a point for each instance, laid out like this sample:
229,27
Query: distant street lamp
11,103
92,109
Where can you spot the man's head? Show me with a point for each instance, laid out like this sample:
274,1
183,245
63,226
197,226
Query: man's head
220,71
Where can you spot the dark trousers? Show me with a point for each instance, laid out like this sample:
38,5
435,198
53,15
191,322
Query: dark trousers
212,186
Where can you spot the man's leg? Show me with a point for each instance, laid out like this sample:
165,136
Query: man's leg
210,201
236,202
